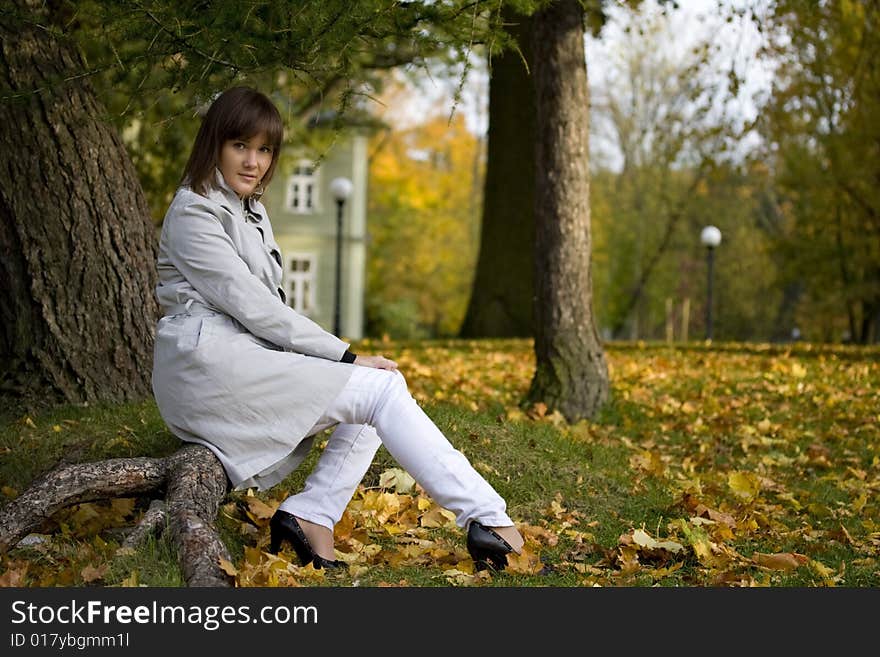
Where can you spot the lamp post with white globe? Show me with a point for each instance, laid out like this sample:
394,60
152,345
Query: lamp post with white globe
341,189
710,237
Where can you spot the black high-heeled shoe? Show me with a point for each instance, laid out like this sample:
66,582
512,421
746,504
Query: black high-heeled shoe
486,547
284,527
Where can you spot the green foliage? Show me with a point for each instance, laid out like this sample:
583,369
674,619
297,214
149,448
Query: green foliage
156,64
821,134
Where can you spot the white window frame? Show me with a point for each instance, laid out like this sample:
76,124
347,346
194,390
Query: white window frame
307,183
302,298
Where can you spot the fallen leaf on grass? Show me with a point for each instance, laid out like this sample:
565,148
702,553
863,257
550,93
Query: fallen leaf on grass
719,516
641,538
259,509
527,563
780,560
841,535
647,461
537,411
91,574
14,575
744,484
539,534
437,517
400,480
458,577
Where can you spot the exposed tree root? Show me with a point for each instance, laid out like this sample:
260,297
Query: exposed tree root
194,485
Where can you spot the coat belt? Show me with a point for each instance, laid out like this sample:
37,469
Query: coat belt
191,307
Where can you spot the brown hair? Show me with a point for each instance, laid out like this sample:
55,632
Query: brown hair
237,113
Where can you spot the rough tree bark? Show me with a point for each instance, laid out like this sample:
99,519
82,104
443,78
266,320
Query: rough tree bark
77,274
77,244
571,374
502,294
194,483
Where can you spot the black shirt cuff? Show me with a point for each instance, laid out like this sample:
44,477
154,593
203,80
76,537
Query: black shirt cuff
347,357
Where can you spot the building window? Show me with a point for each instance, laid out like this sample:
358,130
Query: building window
302,189
300,282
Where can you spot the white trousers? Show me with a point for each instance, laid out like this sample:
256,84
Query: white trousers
376,406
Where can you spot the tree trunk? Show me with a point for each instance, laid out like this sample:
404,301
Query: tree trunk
77,271
571,373
501,303
77,278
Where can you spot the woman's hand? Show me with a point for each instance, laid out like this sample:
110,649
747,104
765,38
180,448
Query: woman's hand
379,362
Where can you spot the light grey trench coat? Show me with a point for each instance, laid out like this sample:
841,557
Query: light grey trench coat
234,367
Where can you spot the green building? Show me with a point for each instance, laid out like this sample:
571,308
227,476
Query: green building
304,218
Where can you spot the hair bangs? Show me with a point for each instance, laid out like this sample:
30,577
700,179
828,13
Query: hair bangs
253,118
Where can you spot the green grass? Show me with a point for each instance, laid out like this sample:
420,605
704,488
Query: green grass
780,441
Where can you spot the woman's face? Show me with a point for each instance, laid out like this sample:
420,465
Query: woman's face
244,162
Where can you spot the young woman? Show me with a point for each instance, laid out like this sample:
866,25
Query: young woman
239,371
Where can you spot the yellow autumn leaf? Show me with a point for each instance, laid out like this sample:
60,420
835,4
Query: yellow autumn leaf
643,539
744,485
828,575
699,542
482,466
382,505
458,577
546,536
436,517
254,556
259,509
659,573
860,503
650,462
309,571
798,371
400,480
527,562
131,580
228,568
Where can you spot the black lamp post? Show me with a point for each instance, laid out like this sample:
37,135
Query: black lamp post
710,237
341,189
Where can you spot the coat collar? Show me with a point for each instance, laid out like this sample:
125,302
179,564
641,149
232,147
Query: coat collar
221,193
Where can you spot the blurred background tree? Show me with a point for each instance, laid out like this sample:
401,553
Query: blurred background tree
423,218
822,146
